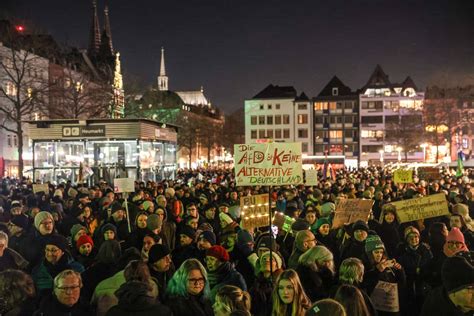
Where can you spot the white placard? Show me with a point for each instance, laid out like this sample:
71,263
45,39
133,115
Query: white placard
124,185
311,177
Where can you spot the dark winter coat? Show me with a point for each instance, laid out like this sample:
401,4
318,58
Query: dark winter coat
316,284
50,306
161,279
261,294
181,254
225,275
190,306
438,303
12,260
389,233
353,249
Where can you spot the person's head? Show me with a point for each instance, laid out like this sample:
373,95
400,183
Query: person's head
210,212
149,240
288,295
375,249
109,231
3,242
215,257
457,275
352,299
154,223
456,220
189,279
186,236
360,230
77,231
351,271
67,287
319,258
305,240
15,287
85,244
192,222
310,216
118,212
161,201
137,270
225,220
192,210
454,242
270,263
109,252
54,249
412,237
224,208
206,240
159,257
141,220
230,298
44,223
323,226
389,213
325,307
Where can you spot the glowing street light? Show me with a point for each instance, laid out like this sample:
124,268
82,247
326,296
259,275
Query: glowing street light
381,156
424,145
399,149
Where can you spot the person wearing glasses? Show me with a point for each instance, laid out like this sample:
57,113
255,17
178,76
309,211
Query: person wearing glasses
188,291
65,297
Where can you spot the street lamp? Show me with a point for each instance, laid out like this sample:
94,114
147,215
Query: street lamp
399,149
424,145
381,157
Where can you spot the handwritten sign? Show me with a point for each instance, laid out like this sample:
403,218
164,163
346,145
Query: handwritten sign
254,211
268,164
429,173
41,188
385,297
283,222
124,185
311,177
420,208
403,176
349,211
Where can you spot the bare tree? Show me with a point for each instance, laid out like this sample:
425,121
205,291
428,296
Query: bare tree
188,137
407,132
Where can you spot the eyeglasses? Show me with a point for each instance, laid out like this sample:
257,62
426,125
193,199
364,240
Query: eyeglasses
68,288
54,250
196,281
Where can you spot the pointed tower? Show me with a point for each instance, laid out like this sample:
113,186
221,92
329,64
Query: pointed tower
106,47
162,78
94,35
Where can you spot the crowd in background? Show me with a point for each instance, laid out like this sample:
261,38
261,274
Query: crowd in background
177,247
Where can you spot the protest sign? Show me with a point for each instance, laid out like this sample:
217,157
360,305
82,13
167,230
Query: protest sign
420,208
283,222
403,176
41,188
429,173
385,297
311,177
349,211
254,211
124,185
268,164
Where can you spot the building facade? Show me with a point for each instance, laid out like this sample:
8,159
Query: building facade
391,126
279,114
336,124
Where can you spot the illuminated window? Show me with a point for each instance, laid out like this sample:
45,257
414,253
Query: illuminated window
302,118
371,134
332,105
319,106
335,134
253,120
11,89
253,134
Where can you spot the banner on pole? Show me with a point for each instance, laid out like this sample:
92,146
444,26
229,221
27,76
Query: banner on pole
420,208
254,211
268,164
41,188
349,211
124,185
403,176
429,173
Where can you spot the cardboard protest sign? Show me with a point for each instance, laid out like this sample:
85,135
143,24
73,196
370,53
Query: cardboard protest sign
283,222
311,177
268,164
385,297
403,176
124,185
429,173
254,211
349,211
41,188
420,208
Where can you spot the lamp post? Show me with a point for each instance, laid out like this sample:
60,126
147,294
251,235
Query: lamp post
424,145
399,149
381,157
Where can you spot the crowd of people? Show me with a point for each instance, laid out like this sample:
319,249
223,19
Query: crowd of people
177,247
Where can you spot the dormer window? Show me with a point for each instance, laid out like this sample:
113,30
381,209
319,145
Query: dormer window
335,91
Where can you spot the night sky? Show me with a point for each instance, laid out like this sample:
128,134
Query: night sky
236,48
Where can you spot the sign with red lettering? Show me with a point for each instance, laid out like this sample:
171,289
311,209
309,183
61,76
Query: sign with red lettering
268,164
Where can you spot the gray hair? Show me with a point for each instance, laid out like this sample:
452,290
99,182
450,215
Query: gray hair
66,273
4,236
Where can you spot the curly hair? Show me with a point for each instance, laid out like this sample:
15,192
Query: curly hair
15,287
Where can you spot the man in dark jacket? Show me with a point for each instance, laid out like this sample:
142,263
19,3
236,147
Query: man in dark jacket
355,247
456,296
187,248
161,267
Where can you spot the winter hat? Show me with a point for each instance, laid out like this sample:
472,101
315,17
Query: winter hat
275,256
244,237
157,252
81,195
58,241
154,222
265,242
109,226
225,218
188,231
218,252
410,230
457,273
372,243
320,222
15,204
455,235
301,237
327,208
146,205
463,211
209,236
299,224
75,229
84,239
41,216
116,207
360,224
20,221
203,197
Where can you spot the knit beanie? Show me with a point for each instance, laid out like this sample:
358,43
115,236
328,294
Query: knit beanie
327,208
463,211
320,222
116,207
410,230
360,225
455,235
75,229
157,252
457,273
218,252
84,239
188,231
154,222
372,243
209,236
20,221
58,241
299,224
301,237
203,197
244,237
109,226
225,218
41,216
275,256
265,242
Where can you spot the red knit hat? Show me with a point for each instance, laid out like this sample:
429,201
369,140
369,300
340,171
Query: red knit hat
84,239
218,252
455,235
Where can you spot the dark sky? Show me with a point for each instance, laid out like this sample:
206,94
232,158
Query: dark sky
236,48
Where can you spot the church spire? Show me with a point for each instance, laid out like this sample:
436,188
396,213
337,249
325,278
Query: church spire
107,34
162,78
94,35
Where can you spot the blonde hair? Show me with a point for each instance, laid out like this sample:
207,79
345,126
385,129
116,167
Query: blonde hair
317,257
300,303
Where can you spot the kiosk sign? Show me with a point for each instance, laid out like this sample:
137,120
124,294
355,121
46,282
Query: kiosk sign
84,131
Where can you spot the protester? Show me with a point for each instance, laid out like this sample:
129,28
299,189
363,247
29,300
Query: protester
230,299
17,293
289,297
